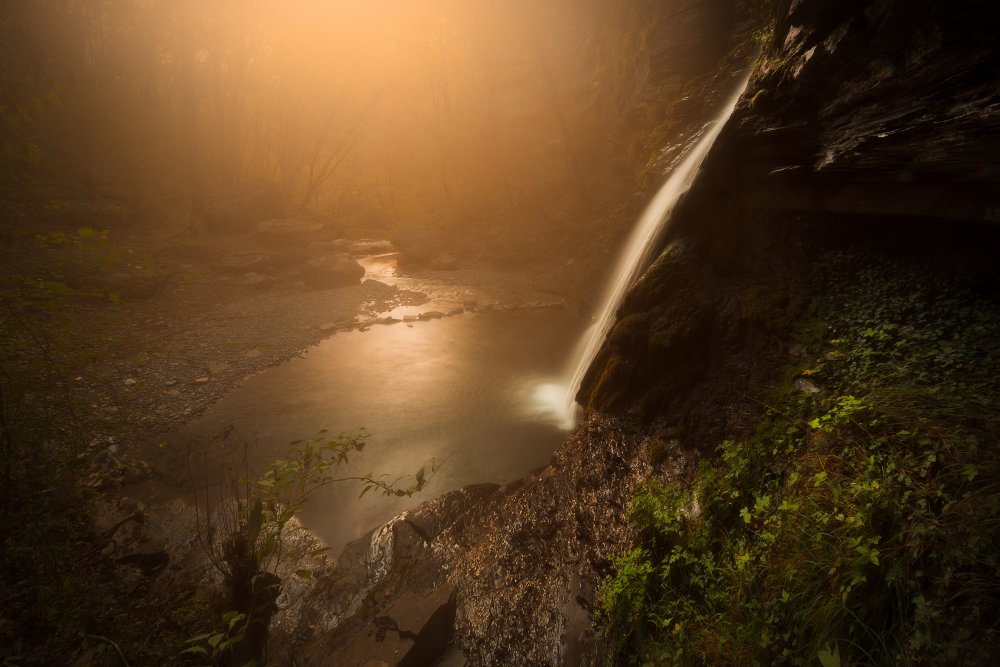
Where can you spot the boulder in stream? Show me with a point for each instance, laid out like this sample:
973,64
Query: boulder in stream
331,271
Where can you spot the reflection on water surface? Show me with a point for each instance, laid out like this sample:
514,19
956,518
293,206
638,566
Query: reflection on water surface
459,391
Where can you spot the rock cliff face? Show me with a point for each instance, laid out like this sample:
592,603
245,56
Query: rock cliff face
877,107
865,122
874,121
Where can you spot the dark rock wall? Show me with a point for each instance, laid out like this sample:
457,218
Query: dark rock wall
877,107
865,120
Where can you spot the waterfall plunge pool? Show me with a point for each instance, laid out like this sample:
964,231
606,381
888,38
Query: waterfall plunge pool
461,392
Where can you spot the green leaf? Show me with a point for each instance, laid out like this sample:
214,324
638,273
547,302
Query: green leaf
828,658
234,618
232,641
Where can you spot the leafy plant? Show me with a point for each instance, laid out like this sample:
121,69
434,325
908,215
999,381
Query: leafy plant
857,525
243,536
216,645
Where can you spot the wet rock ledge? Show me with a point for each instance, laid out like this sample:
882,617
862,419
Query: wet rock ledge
487,574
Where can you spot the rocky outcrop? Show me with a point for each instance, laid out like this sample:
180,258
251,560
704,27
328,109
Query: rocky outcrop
863,120
489,575
422,246
874,107
387,597
330,271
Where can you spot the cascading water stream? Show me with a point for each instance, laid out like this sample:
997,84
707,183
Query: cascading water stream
635,256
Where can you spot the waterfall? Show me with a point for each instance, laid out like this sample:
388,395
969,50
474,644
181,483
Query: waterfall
634,258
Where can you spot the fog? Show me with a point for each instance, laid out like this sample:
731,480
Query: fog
444,113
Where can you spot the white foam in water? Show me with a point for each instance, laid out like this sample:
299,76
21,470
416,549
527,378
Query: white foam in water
558,401
548,402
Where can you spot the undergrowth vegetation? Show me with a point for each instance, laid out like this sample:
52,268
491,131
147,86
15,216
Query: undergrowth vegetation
859,524
62,597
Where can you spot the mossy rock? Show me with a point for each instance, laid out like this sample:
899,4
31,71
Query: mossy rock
662,337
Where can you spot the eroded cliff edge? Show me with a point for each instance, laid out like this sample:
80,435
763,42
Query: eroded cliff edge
870,124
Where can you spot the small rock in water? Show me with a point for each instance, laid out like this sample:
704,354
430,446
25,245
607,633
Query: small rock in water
172,392
331,271
797,350
201,380
129,381
807,386
431,315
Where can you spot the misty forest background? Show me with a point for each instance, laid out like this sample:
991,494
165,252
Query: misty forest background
376,114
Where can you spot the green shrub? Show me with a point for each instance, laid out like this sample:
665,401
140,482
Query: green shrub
858,525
